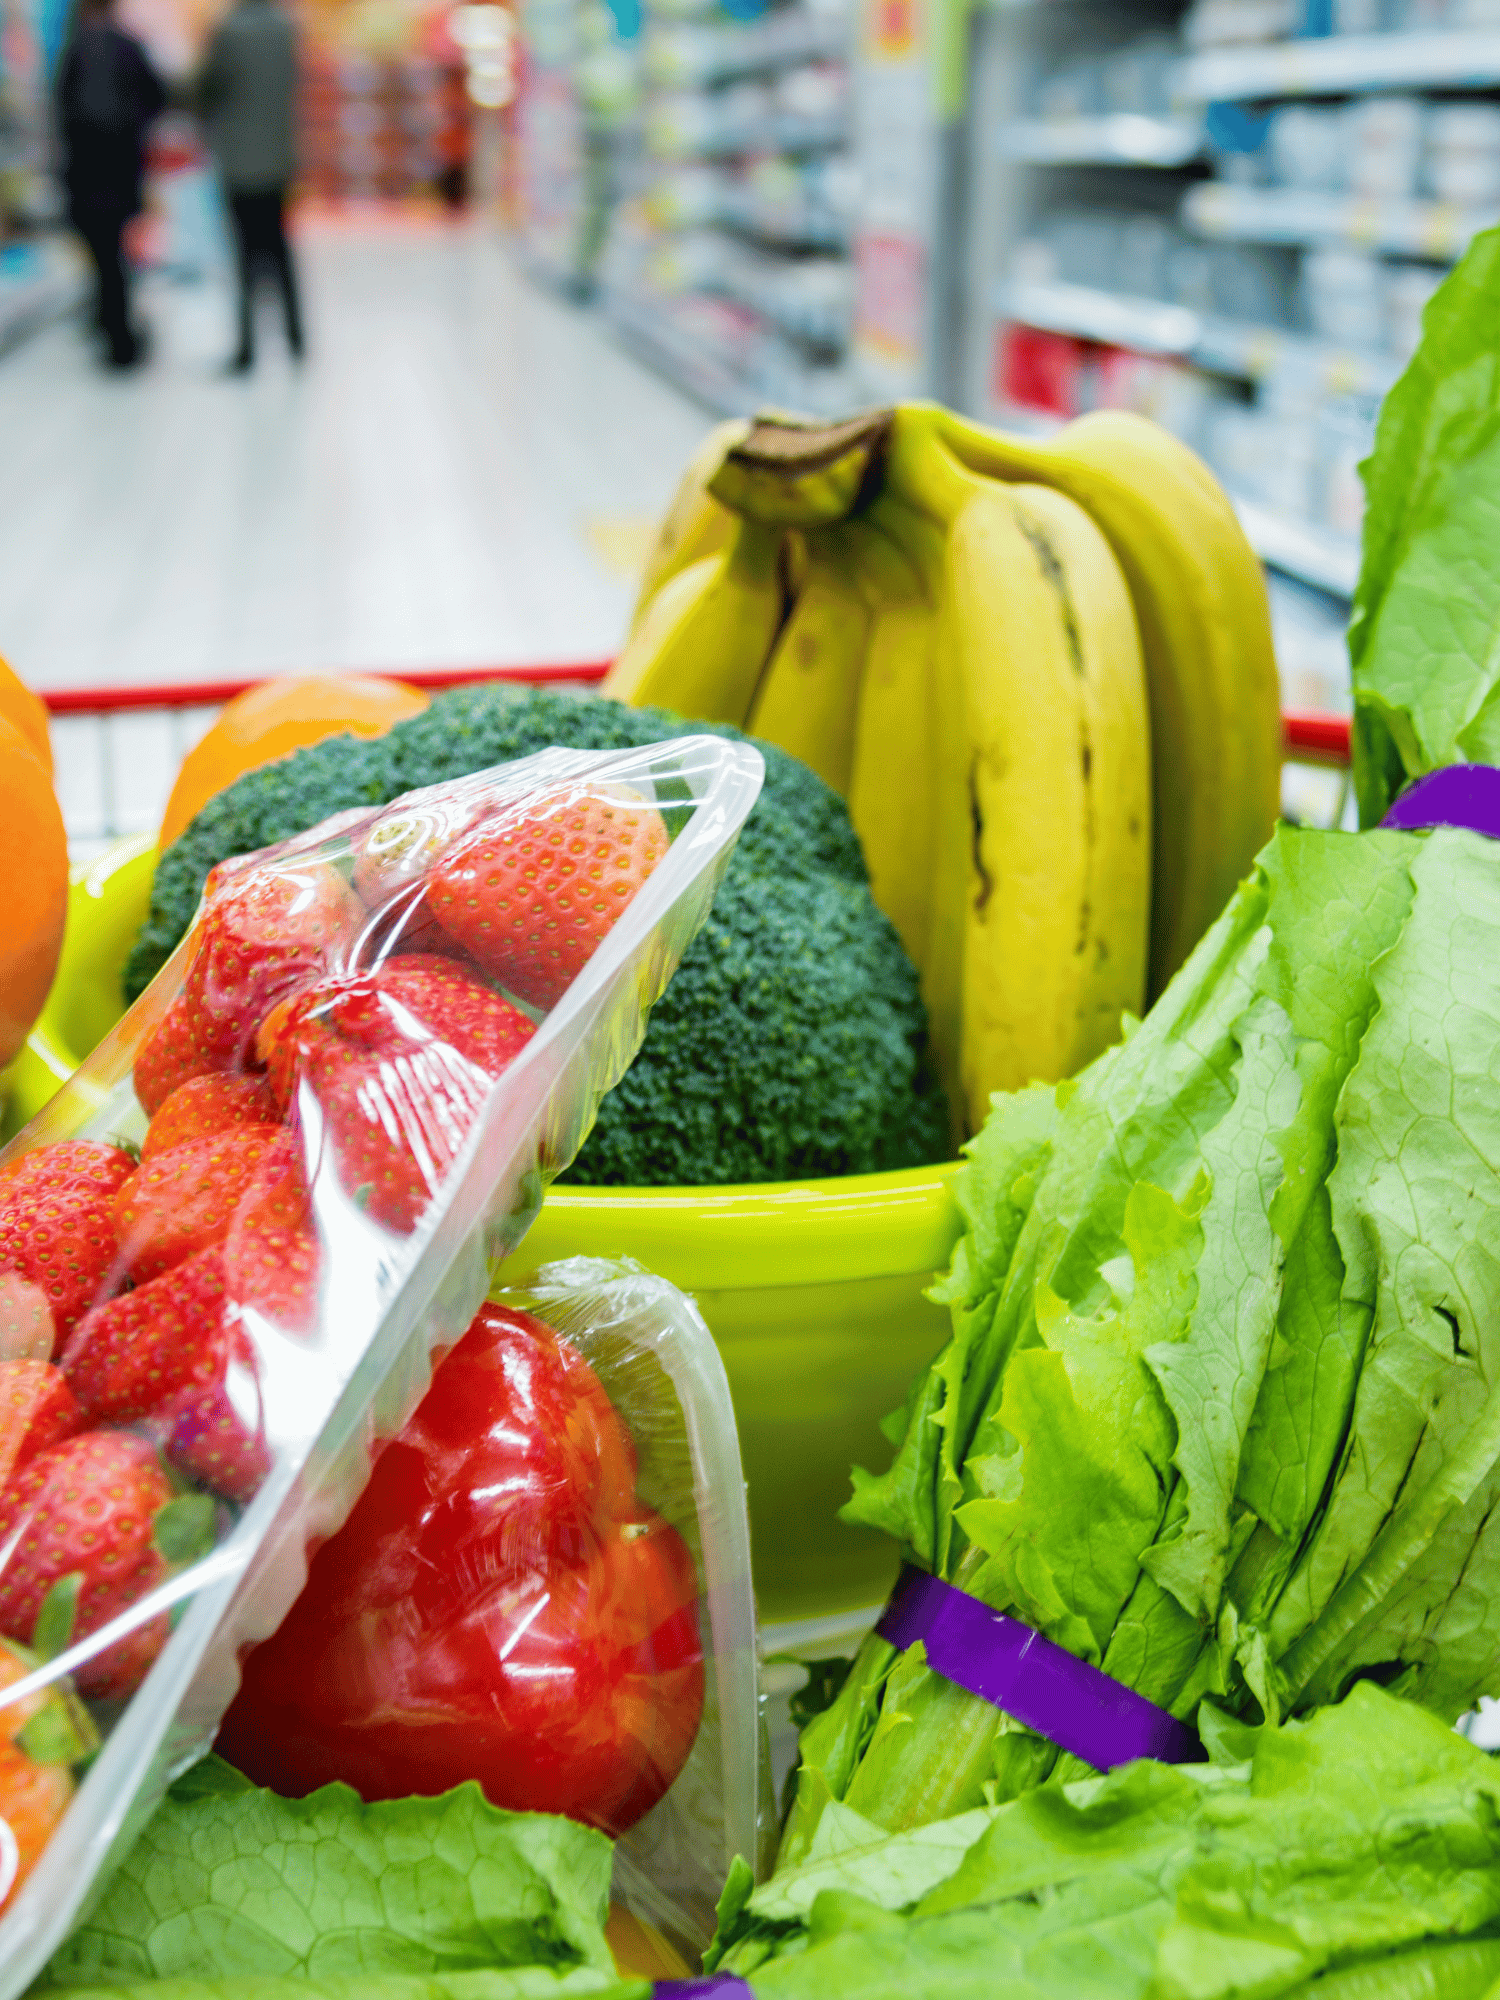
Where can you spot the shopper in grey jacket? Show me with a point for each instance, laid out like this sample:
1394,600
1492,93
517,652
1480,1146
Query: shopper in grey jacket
247,95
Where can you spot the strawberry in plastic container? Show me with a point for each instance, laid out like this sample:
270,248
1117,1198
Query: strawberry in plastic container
499,1606
311,1053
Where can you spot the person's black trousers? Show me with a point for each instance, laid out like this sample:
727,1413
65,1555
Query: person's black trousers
260,239
102,228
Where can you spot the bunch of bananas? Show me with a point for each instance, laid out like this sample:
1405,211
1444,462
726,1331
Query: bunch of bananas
1041,674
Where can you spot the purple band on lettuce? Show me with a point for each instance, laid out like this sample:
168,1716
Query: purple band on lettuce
1464,795
1078,1707
716,1986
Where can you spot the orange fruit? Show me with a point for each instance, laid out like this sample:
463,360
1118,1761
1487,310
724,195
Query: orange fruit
274,718
36,889
39,1736
27,712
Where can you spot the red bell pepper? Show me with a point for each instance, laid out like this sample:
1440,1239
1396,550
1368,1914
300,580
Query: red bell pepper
498,1606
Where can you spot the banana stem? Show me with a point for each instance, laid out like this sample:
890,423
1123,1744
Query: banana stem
990,452
922,471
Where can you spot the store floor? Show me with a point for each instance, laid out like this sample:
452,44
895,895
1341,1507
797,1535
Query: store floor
462,473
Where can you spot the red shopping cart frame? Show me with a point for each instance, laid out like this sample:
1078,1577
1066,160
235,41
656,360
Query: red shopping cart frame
1309,737
202,694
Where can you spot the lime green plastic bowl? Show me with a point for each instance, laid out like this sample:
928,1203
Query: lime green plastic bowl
812,1289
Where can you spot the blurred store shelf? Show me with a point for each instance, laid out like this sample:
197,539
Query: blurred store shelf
791,227
1124,139
786,134
1300,549
684,357
679,55
1339,65
1224,346
39,282
1434,229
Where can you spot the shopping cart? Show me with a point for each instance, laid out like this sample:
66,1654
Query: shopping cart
116,751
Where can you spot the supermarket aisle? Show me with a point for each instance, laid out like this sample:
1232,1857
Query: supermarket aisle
459,476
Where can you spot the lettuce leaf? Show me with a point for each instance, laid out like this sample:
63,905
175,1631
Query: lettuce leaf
230,1882
1423,640
526,1983
1130,1436
1360,1838
1397,1573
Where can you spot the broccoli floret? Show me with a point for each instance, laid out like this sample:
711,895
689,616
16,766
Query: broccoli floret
788,1046
791,1042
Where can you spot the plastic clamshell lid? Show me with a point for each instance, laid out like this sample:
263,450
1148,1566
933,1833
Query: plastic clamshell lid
399,1299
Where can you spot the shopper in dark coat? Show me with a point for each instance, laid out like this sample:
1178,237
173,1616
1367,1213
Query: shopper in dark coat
107,95
247,97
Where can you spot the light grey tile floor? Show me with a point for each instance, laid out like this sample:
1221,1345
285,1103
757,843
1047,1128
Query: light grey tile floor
448,481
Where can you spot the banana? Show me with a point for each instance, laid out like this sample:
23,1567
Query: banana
891,784
1200,601
695,524
806,701
703,642
1042,820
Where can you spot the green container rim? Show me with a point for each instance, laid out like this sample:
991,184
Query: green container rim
752,1235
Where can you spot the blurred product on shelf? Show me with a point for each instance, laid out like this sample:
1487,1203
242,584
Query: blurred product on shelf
383,128
1249,255
729,262
1213,23
576,118
1225,23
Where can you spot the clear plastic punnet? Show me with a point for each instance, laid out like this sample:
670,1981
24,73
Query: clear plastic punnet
234,1243
545,1587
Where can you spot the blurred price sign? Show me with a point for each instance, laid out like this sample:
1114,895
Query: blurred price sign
892,28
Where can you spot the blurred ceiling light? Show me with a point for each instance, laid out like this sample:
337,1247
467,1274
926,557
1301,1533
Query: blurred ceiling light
491,93
485,33
477,26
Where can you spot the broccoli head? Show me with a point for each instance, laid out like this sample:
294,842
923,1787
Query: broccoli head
790,1044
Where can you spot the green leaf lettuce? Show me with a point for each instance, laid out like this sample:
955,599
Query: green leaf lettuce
1359,1850
1216,1412
232,1883
1423,640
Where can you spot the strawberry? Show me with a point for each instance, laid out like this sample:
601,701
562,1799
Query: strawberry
205,1437
184,1201
399,849
531,890
28,1331
391,865
57,1227
271,1255
205,1105
264,931
37,1411
400,1060
68,1163
95,1527
126,1359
